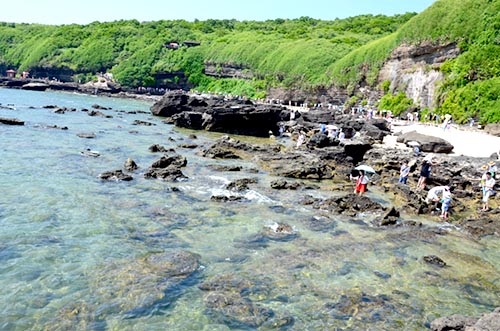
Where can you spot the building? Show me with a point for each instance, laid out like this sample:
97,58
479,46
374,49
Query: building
11,73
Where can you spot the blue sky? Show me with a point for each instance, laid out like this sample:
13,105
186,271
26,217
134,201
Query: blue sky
86,11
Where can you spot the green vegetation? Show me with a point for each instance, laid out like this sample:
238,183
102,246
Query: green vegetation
396,103
288,53
302,53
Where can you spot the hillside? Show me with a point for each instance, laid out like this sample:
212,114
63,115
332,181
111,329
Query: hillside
452,47
443,60
271,53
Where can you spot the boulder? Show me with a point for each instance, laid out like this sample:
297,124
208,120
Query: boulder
456,322
11,121
427,143
230,116
493,129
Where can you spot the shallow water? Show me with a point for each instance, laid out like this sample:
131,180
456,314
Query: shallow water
69,241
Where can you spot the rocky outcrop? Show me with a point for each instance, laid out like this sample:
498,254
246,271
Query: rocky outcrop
216,114
487,322
228,70
11,121
414,69
426,143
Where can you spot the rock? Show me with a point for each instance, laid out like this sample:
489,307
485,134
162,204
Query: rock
279,232
391,217
231,116
35,86
138,122
167,168
11,121
493,129
227,301
224,198
240,185
115,175
86,135
434,260
281,184
130,165
427,143
176,160
356,149
453,323
158,148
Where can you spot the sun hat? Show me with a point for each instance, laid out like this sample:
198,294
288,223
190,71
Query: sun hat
491,163
484,167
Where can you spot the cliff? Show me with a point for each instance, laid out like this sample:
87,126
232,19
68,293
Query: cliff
414,69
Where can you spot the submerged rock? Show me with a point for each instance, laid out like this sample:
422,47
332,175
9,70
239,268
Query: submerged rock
115,175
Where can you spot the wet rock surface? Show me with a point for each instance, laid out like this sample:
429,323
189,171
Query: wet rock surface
486,322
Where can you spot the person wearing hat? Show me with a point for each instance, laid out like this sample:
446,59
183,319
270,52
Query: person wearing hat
488,191
492,168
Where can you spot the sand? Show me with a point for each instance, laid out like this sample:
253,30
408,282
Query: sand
466,141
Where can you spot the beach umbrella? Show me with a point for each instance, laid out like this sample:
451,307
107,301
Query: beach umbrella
365,168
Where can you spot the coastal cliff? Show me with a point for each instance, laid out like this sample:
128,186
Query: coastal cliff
414,69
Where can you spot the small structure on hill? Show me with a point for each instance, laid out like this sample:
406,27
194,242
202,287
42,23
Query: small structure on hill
11,73
190,43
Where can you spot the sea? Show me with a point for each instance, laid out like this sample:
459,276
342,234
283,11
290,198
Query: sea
78,252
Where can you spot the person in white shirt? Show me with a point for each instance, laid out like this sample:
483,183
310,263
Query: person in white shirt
488,191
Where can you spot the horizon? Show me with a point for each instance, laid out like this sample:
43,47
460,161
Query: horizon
83,13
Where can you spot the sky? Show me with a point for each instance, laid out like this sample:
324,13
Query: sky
57,12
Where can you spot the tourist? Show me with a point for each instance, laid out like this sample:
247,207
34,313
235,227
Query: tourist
425,173
361,181
341,135
483,179
300,139
446,201
488,191
404,172
433,194
492,168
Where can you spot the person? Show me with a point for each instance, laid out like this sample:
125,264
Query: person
404,172
292,115
488,191
301,139
425,173
361,182
433,194
492,168
483,178
341,135
446,201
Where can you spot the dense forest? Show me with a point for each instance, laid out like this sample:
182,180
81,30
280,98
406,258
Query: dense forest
302,53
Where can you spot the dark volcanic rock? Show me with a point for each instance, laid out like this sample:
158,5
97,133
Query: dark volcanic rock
231,116
434,260
130,165
427,143
11,121
115,175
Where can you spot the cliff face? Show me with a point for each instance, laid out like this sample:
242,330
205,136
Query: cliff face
414,69
226,70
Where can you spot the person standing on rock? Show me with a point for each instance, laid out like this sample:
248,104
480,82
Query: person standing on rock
488,191
300,139
404,172
446,201
425,173
361,181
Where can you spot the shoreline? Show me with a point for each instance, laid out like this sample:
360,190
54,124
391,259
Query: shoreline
471,143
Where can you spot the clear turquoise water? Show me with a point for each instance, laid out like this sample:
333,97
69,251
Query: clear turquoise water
68,241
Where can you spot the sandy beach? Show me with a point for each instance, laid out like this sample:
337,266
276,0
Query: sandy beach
467,142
